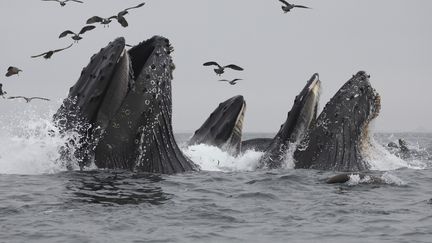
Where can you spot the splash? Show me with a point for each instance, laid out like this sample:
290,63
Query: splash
30,144
212,158
381,159
386,178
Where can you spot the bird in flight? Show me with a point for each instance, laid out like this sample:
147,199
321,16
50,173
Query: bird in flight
232,82
48,54
63,3
77,37
120,17
2,93
12,71
289,6
28,99
221,69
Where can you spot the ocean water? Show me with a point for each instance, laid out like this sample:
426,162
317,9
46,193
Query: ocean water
228,201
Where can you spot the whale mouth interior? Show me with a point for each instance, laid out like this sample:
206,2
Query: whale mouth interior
139,55
304,111
232,121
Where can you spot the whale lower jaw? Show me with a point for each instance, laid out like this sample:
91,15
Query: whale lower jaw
299,119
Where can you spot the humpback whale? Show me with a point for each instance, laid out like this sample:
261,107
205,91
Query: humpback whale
302,114
224,126
339,138
125,97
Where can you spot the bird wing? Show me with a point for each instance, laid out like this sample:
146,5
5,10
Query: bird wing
284,2
137,6
122,21
50,0
40,55
94,19
113,17
237,79
16,97
224,80
211,63
86,28
62,48
75,1
299,6
235,67
65,33
39,98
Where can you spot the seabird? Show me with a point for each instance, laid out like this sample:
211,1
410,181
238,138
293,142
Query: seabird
63,3
77,37
28,99
289,6
220,70
2,93
48,54
232,82
120,17
12,71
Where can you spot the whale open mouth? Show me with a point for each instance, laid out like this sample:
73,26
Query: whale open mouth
340,137
301,116
126,97
224,126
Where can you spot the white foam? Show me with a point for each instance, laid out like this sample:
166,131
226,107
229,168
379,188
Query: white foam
30,144
389,178
355,179
386,178
381,159
212,158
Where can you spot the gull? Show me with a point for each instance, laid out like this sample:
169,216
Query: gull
28,99
77,37
220,70
120,17
289,6
232,82
12,71
63,3
48,54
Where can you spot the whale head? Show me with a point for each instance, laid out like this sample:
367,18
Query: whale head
125,96
302,114
224,126
340,137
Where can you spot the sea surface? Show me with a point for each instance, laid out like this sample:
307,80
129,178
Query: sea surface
228,201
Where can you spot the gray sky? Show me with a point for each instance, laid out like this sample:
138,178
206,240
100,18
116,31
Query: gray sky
390,39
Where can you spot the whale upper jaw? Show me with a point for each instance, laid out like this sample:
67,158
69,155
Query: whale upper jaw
223,128
299,119
340,137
